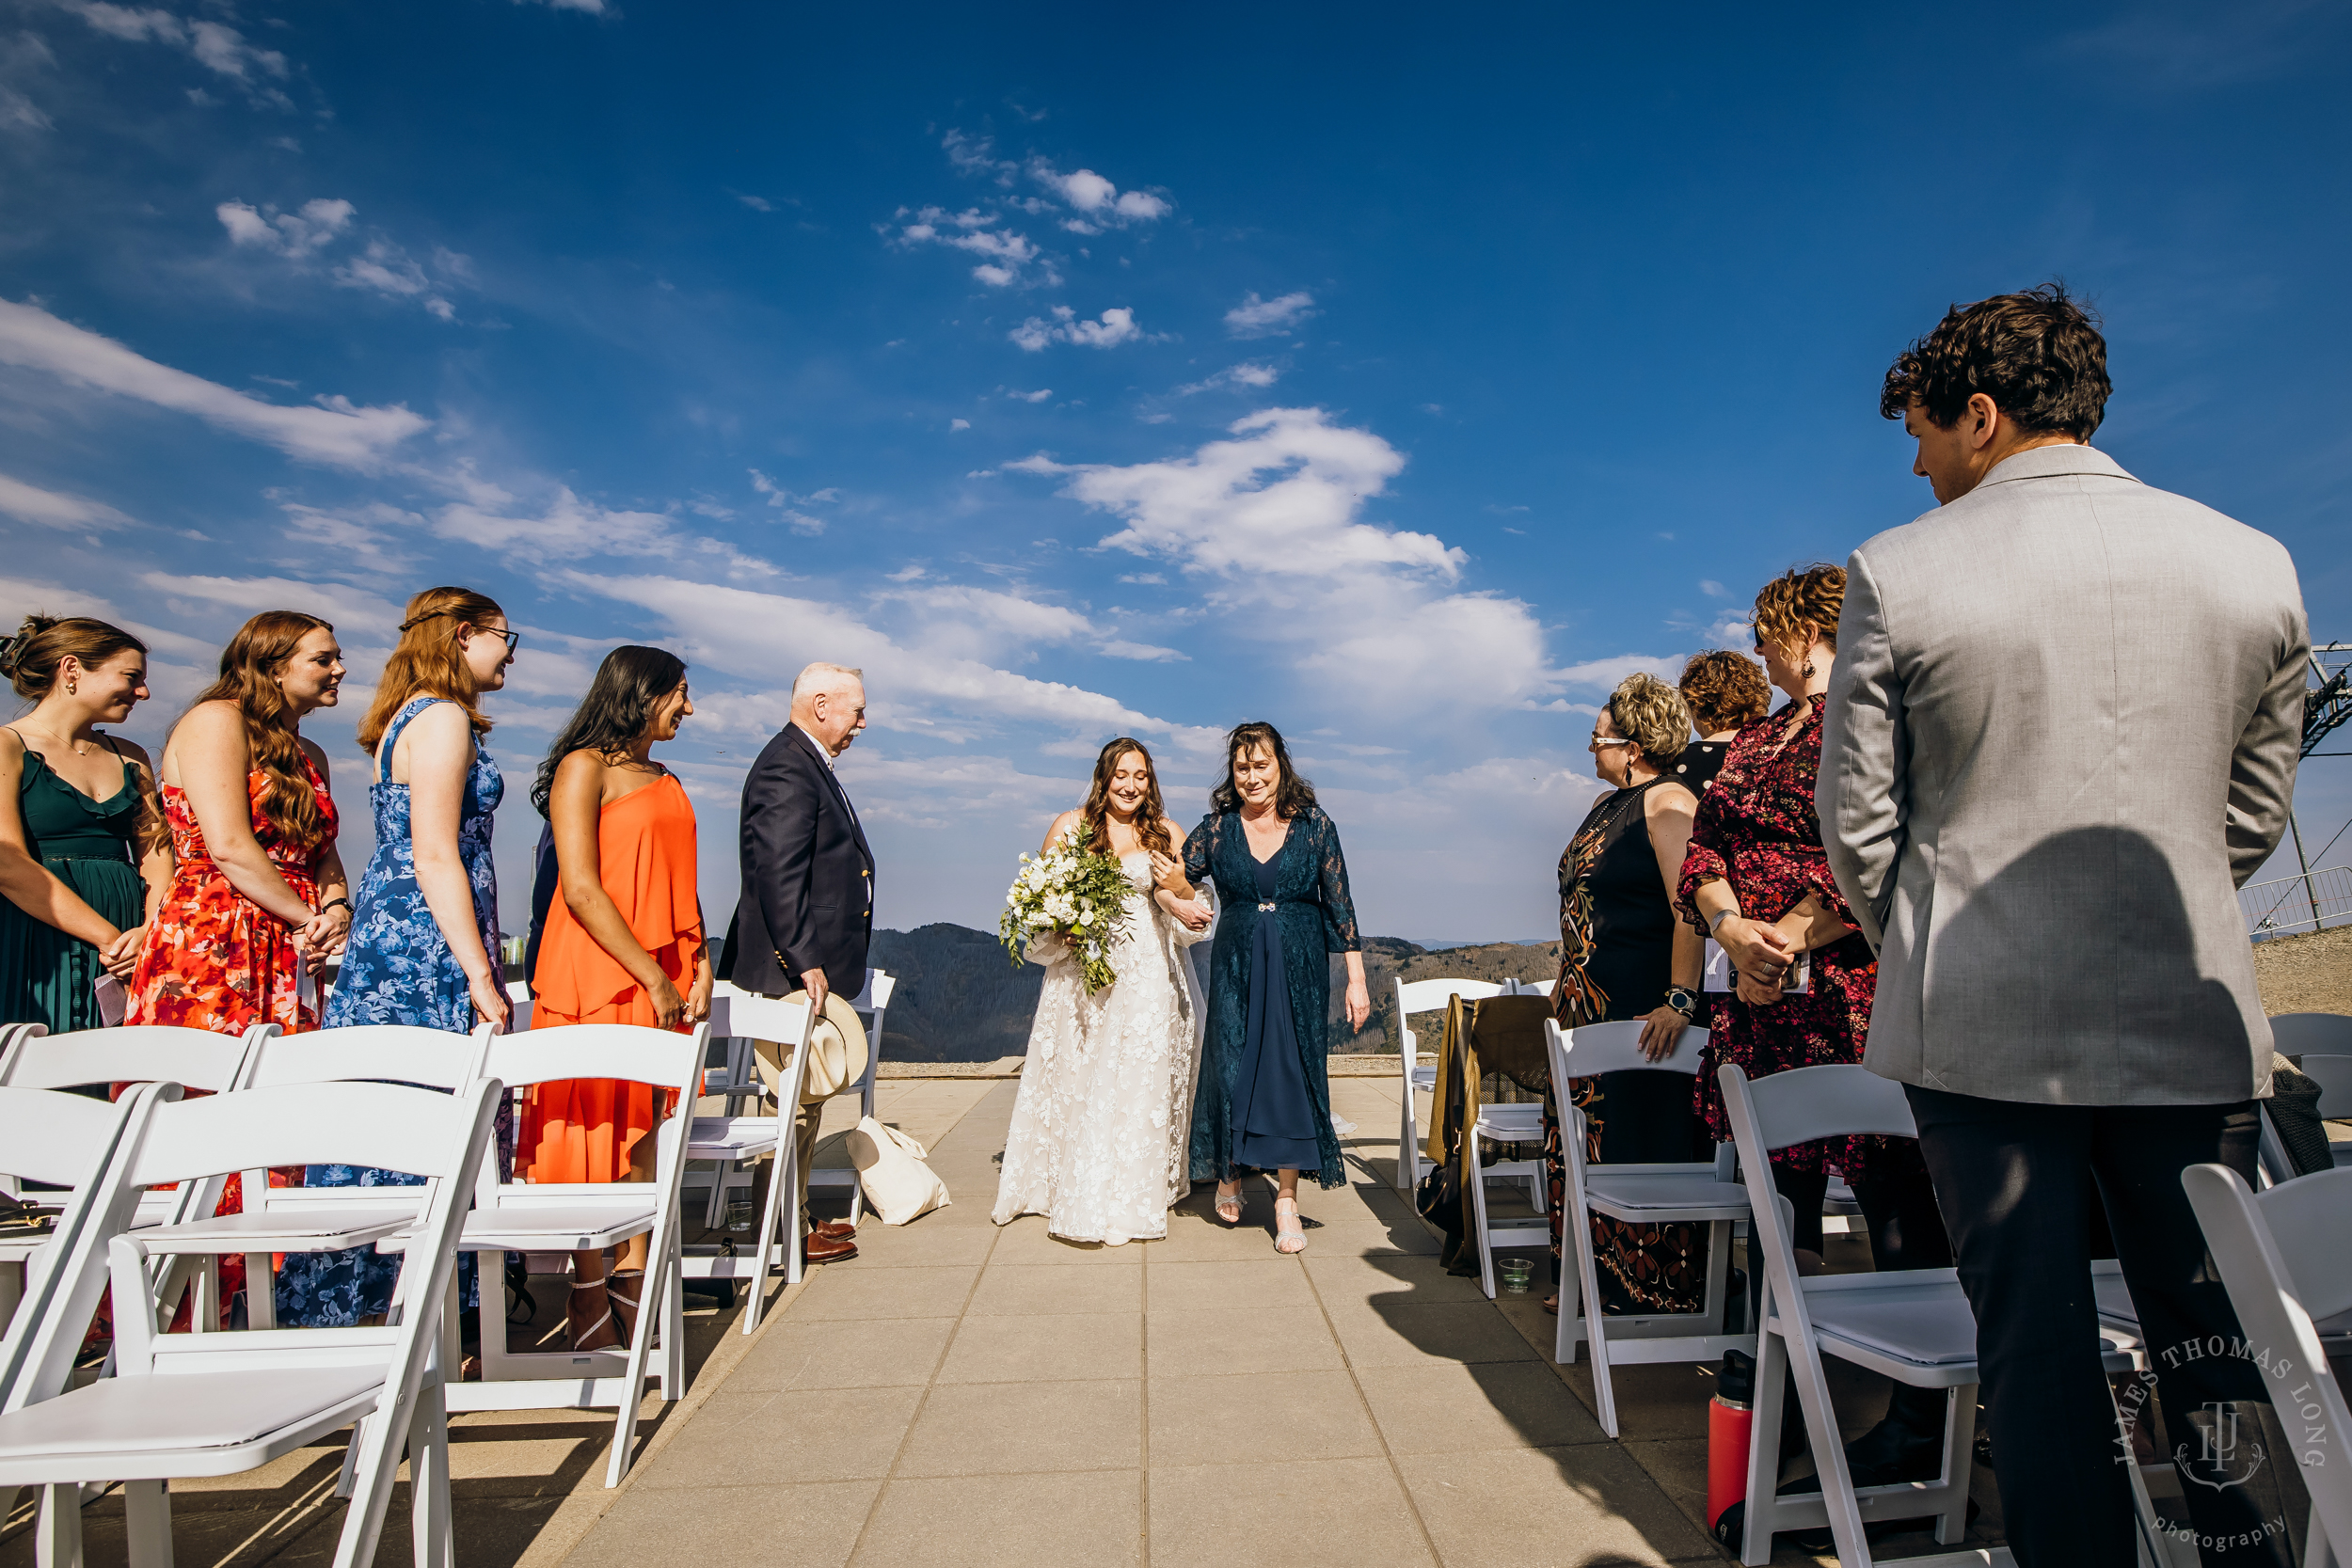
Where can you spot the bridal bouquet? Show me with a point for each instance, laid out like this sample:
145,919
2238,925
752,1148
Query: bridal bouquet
1074,892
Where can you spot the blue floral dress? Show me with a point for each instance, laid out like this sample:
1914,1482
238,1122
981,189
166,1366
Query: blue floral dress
397,968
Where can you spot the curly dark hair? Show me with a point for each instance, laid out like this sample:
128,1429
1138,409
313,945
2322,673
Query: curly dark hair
2038,355
1292,795
1726,690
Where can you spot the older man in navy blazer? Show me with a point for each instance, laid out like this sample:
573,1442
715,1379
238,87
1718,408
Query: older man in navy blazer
806,910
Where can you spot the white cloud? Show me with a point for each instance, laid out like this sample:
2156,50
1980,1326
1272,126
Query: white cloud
1253,373
1273,519
1269,318
387,269
295,235
1144,652
790,504
954,425
50,509
335,431
1100,203
1116,326
566,528
1010,255
1038,396
756,203
589,8
1715,590
349,608
214,45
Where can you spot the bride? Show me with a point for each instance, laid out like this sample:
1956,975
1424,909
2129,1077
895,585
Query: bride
1099,1128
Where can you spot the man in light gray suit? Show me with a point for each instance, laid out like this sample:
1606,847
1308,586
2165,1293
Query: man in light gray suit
2063,729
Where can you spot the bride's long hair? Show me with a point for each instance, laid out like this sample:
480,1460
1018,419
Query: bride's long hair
1150,816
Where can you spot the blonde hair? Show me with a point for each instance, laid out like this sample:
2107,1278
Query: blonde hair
1652,715
1801,597
429,660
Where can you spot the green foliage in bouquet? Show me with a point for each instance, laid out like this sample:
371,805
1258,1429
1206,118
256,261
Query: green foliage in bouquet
1074,892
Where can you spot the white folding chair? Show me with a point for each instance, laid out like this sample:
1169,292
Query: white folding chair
2282,1257
1422,996
1689,1193
1913,1326
63,1141
218,1404
331,1219
730,1141
519,1216
147,1054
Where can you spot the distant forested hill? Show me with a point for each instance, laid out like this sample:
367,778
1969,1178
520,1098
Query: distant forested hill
958,1000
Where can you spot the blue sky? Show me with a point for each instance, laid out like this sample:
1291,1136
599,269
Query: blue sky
1402,377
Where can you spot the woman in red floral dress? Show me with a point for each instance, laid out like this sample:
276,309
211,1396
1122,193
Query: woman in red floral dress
257,899
1757,880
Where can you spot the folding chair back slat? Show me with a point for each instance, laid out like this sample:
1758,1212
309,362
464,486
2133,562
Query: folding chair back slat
149,1053
1597,1048
294,1124
53,1137
389,1053
2301,1034
1811,1103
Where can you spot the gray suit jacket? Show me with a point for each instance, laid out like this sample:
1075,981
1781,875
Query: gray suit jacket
2062,729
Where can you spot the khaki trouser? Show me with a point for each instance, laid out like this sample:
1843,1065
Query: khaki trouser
767,1060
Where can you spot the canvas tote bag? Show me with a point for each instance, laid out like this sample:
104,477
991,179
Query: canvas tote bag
890,1167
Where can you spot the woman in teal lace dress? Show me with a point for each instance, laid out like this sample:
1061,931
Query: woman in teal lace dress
423,947
1263,1101
78,823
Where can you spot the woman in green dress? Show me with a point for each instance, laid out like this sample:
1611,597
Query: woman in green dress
79,828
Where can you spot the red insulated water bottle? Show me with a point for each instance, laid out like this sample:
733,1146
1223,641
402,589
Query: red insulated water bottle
1729,1421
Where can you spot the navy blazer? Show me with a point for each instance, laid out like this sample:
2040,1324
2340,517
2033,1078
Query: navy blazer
807,901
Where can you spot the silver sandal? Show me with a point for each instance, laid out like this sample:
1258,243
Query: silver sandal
1224,1201
1295,1231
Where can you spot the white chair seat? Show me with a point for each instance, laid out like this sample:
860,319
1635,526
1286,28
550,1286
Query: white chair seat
183,1413
733,1137
1645,1199
286,1228
1917,1324
557,1227
2113,1300
1425,1078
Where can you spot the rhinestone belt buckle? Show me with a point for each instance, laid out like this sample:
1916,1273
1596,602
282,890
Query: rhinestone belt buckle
1267,907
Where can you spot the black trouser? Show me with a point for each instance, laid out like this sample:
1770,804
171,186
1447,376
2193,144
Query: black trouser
2016,1185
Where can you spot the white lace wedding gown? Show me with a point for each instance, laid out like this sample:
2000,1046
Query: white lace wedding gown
1104,1114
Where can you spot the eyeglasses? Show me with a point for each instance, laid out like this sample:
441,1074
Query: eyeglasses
513,639
1596,742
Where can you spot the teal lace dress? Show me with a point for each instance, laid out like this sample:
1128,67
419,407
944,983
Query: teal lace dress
398,968
46,976
1265,1097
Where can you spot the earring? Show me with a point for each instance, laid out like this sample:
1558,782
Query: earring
1808,669
71,686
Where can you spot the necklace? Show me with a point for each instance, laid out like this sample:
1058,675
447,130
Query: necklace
77,747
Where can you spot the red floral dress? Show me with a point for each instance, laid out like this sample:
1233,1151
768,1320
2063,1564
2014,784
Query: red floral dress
215,960
1756,829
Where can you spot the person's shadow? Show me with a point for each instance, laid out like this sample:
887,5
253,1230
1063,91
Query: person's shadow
2092,924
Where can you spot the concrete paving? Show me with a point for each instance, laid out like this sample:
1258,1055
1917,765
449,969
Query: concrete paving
970,1395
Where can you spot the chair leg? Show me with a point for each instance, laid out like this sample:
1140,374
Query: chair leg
429,1519
1829,1458
1595,1326
660,1275
1772,1364
260,1292
57,1533
1960,1454
674,1324
1478,1218
147,1523
378,1454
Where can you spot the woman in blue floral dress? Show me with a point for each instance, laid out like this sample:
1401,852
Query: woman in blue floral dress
423,947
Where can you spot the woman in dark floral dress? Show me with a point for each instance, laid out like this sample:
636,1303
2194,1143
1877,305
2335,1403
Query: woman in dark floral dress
1758,880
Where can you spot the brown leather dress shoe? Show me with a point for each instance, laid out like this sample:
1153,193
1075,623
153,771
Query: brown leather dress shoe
839,1230
821,1248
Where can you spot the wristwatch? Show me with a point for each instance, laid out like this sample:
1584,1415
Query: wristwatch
1682,1001
332,902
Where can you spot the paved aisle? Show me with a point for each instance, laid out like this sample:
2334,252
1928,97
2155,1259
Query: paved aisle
964,1395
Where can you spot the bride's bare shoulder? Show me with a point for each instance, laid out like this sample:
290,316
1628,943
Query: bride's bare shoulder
1061,825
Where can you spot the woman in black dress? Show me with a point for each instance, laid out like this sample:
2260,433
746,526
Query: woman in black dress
1263,1101
1624,956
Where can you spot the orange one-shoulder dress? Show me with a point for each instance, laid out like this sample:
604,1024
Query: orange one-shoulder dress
584,1128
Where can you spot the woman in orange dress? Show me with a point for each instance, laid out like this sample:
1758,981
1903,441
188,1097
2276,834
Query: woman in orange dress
257,899
624,944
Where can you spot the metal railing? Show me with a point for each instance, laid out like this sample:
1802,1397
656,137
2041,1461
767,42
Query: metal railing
2301,903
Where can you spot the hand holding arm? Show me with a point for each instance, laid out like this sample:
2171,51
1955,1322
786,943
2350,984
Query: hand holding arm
1756,950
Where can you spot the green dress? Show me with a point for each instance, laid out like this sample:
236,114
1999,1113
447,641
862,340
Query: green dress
46,976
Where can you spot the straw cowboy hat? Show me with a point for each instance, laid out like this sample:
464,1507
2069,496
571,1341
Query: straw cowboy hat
838,1051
